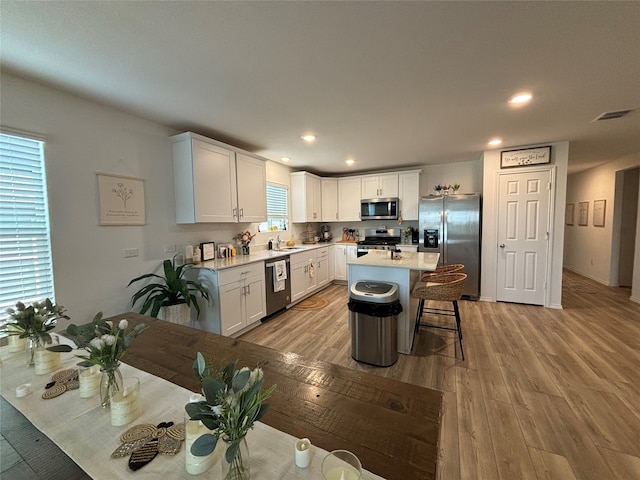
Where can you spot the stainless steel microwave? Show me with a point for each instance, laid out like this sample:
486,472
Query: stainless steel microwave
379,209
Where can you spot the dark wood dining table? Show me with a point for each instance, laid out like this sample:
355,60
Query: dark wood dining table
393,427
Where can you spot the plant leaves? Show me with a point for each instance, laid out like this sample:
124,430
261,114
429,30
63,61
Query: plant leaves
240,380
232,449
60,348
211,389
204,445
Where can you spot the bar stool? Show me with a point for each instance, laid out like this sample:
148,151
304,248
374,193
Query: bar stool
446,287
452,268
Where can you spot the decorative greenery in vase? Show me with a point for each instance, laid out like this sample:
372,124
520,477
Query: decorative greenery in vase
173,289
245,239
104,343
34,322
233,402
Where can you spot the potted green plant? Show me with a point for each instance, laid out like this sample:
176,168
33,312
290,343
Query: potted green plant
174,294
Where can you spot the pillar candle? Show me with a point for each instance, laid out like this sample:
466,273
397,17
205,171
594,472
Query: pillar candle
125,404
192,430
90,381
341,473
16,344
46,361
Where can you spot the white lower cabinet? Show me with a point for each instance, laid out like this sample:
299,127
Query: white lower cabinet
303,277
309,272
322,268
343,253
238,298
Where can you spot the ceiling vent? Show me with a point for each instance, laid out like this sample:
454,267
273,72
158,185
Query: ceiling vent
611,115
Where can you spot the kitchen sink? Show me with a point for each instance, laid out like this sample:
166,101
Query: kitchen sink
292,248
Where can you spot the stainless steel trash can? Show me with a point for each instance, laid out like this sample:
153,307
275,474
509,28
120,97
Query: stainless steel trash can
373,316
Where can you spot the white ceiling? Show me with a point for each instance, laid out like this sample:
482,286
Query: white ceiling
391,84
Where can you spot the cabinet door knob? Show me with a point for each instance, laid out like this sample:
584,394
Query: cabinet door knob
502,245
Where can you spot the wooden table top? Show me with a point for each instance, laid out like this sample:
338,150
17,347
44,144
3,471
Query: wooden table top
393,427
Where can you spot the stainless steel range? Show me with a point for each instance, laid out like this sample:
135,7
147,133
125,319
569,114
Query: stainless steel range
379,239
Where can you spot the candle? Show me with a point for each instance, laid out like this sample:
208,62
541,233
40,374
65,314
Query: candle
90,381
46,361
193,429
16,344
303,453
341,473
125,404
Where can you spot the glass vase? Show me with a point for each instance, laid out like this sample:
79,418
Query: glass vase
235,461
110,384
34,343
245,249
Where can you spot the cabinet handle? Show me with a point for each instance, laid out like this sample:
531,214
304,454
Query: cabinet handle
241,213
243,291
235,212
248,289
245,272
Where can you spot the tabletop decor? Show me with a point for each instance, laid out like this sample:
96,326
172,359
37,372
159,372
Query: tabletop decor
34,322
245,239
145,441
105,343
172,290
233,402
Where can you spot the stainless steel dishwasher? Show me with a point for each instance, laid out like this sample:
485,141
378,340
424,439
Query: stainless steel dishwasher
278,293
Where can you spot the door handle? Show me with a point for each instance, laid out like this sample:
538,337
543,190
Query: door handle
241,214
502,245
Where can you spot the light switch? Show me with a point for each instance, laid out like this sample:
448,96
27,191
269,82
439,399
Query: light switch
130,252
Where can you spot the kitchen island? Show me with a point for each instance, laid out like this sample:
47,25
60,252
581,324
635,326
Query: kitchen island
405,271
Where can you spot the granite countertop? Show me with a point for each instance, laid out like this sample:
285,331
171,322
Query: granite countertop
255,256
409,260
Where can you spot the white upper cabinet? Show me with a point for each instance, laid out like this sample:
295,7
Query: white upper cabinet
306,198
329,187
215,183
409,194
252,189
379,186
349,199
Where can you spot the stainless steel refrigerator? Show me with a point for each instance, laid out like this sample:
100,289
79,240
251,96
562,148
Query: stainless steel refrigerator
450,225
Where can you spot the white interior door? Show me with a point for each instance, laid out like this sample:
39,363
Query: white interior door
523,236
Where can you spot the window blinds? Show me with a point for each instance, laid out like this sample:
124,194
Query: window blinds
26,272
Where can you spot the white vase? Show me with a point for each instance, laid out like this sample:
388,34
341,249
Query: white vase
180,314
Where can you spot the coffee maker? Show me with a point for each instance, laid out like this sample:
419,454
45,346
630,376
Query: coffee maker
325,233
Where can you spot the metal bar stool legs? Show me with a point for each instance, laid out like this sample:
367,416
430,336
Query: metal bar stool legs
448,288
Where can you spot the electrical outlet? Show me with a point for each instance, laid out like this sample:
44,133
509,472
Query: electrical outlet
169,249
130,252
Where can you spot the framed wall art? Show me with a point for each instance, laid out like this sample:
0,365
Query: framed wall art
525,157
121,200
599,209
583,213
568,214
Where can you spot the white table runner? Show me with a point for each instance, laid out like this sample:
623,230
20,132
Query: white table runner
83,430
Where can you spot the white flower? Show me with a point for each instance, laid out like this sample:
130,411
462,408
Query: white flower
108,339
123,324
256,375
231,400
97,343
217,409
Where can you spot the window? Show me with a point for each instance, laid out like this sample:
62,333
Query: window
277,209
25,246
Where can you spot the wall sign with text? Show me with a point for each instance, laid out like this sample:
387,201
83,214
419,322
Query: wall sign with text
121,200
525,157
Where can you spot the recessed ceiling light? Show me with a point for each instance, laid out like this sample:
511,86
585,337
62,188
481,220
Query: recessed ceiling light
349,161
308,137
521,98
495,142
285,159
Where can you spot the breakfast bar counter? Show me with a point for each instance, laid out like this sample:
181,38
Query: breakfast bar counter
405,271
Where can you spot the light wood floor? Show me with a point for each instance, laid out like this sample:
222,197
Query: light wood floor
543,394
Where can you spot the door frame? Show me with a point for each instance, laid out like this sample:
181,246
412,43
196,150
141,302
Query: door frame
552,169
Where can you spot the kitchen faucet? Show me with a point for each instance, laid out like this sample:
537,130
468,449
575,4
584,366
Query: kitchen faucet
278,242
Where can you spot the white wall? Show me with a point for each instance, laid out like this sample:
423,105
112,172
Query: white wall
82,139
588,249
491,158
467,174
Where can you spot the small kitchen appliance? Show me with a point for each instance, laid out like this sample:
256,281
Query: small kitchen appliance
325,234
